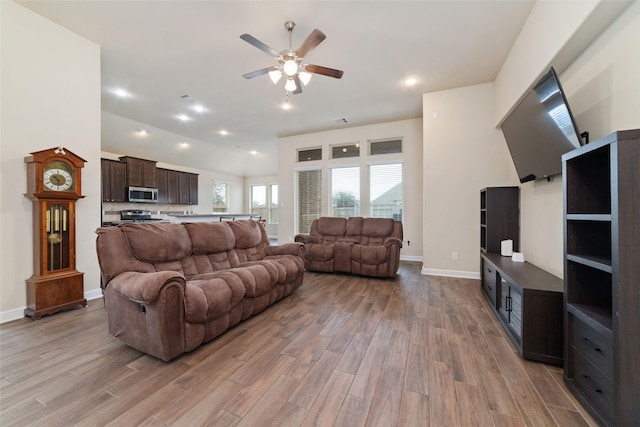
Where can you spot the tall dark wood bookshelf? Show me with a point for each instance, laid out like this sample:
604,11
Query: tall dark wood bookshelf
601,187
499,217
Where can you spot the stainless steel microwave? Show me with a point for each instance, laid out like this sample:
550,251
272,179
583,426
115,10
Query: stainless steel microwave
140,194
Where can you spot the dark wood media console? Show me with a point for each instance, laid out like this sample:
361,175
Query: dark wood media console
528,301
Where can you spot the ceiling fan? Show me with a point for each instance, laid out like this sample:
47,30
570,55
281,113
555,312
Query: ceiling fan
291,62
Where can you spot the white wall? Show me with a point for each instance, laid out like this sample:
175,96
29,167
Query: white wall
50,82
463,153
409,130
603,89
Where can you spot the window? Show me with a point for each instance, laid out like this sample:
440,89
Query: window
259,200
345,191
264,202
309,154
348,150
220,196
273,210
309,198
385,184
386,146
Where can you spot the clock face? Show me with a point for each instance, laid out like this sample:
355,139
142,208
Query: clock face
58,176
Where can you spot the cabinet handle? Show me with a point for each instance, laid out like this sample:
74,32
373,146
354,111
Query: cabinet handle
588,378
490,288
508,303
489,270
591,345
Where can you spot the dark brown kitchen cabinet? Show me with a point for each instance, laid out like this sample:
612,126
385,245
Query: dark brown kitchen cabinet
113,180
188,185
173,187
176,187
163,185
193,189
601,189
140,172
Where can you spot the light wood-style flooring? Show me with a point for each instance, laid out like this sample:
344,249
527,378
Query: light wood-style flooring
341,351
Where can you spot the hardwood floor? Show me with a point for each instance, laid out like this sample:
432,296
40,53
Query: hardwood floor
341,351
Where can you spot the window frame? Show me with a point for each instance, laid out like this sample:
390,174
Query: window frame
227,193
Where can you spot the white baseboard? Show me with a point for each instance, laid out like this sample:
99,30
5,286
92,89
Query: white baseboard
8,316
18,313
450,273
411,258
94,294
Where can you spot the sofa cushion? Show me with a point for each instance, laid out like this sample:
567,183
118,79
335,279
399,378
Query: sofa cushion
210,237
156,243
354,227
377,227
330,226
209,296
247,233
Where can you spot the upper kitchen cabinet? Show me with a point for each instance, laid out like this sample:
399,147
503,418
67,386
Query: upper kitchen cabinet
188,184
140,172
113,181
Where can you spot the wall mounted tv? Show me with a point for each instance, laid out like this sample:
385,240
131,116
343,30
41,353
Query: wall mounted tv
540,130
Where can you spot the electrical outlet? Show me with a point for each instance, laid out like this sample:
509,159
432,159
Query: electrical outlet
454,256
408,242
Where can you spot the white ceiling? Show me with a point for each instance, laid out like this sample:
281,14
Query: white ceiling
161,50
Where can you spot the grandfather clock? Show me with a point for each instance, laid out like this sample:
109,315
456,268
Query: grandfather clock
54,185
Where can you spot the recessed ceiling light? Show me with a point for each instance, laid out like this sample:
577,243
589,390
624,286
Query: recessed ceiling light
198,108
223,132
142,132
285,105
184,117
121,92
184,144
254,152
410,81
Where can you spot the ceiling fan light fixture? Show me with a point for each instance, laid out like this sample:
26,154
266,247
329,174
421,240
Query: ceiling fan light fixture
290,85
290,67
305,77
285,105
275,75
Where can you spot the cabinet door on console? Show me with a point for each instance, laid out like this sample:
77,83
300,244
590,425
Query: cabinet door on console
489,278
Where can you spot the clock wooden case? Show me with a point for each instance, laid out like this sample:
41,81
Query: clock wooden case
54,184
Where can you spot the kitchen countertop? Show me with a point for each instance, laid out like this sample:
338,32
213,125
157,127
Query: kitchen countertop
177,218
209,214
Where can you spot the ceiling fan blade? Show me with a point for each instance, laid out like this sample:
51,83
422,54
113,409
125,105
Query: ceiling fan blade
257,43
298,85
318,69
259,72
314,39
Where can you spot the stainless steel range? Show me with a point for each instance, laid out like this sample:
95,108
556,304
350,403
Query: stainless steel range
137,215
134,215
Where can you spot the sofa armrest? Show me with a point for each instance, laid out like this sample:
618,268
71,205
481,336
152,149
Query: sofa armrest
296,248
144,287
389,241
305,238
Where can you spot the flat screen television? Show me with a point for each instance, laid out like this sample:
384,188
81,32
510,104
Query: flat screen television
540,130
